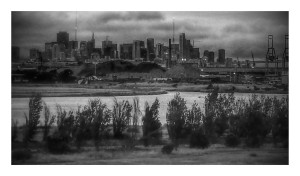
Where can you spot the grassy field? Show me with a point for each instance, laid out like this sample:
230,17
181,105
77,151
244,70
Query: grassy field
215,155
127,89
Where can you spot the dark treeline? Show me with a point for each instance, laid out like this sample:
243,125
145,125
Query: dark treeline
237,121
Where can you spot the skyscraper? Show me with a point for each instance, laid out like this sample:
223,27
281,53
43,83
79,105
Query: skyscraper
206,53
182,46
136,50
15,53
159,50
63,37
126,51
55,52
33,53
211,57
150,49
221,58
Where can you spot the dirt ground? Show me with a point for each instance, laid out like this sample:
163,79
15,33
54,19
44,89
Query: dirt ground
216,154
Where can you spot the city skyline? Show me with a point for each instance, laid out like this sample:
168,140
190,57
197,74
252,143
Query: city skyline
238,33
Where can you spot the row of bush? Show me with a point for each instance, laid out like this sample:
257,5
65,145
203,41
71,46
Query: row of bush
94,121
249,120
238,120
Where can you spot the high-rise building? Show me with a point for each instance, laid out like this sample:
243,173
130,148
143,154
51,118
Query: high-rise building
150,49
63,37
15,53
175,51
195,53
136,49
33,53
182,46
126,51
159,50
211,57
221,58
55,52
229,62
91,45
188,49
206,53
73,44
109,49
83,49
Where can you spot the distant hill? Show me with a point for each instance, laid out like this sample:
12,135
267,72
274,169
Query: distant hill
119,66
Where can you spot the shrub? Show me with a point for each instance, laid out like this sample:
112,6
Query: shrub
151,123
232,140
14,130
121,117
32,121
167,149
21,154
176,117
280,126
199,140
58,144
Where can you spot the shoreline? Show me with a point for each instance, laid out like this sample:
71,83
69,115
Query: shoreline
70,90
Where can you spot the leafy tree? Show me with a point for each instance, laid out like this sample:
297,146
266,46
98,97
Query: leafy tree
32,121
95,116
65,123
49,120
121,115
135,117
151,123
194,119
176,117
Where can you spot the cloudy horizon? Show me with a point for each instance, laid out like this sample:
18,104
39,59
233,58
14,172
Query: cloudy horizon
238,33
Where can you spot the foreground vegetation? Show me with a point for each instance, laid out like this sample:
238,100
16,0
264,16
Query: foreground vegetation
118,134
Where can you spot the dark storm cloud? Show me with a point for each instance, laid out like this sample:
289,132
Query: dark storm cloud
237,32
128,16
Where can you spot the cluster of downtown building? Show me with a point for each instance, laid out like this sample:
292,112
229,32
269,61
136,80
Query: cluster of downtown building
64,49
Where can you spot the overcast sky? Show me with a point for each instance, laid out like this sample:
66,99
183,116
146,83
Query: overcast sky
238,33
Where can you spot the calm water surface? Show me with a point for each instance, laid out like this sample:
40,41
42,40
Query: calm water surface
20,105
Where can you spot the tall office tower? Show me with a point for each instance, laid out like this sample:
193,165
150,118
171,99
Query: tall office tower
221,58
211,57
136,50
63,37
150,49
55,52
195,53
170,54
229,62
182,46
91,46
188,49
159,50
83,49
33,53
15,53
175,51
206,53
126,51
48,51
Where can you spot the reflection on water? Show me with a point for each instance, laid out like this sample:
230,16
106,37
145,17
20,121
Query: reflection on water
20,105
